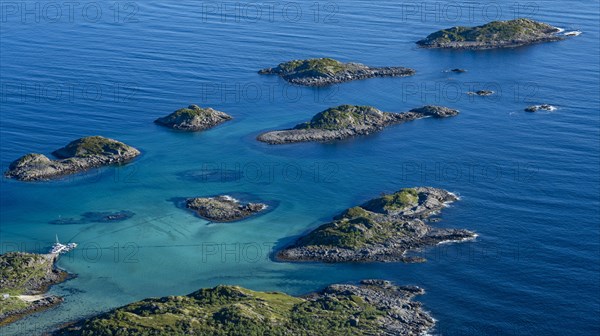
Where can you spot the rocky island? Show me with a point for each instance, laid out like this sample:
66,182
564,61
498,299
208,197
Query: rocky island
78,156
496,34
193,118
24,277
223,208
383,229
373,307
346,121
327,71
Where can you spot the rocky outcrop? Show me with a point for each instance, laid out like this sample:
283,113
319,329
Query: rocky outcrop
327,71
23,277
223,208
544,107
481,93
347,121
372,307
76,157
383,229
497,34
193,119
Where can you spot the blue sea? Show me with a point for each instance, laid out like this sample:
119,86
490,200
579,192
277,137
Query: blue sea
529,182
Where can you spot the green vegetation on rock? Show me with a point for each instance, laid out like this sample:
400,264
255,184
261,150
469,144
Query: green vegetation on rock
315,66
381,230
343,116
20,271
190,112
231,310
400,200
92,145
26,274
496,31
360,226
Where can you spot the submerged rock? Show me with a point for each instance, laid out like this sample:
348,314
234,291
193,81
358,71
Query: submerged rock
223,208
545,107
383,229
373,307
327,71
95,217
212,175
77,156
496,34
346,121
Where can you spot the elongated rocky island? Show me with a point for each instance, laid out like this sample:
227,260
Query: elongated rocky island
223,208
193,119
24,278
373,307
347,121
327,71
496,34
77,156
383,229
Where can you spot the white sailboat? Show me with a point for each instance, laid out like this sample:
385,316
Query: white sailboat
59,248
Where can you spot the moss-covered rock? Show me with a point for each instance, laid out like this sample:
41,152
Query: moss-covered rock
496,34
327,71
94,146
77,156
346,121
374,307
382,229
193,118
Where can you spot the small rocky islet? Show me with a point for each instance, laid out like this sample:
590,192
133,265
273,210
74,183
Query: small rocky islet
328,71
496,34
24,278
381,230
372,307
483,93
193,119
78,156
542,107
347,121
223,208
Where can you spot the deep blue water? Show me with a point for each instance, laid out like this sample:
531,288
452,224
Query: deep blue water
529,181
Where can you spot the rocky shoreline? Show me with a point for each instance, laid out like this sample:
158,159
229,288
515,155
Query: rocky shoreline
25,277
381,230
372,307
327,71
193,119
347,121
223,208
493,35
78,156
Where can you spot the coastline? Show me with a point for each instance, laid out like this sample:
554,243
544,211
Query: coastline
37,299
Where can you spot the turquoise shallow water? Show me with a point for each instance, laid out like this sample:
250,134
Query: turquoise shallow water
529,183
